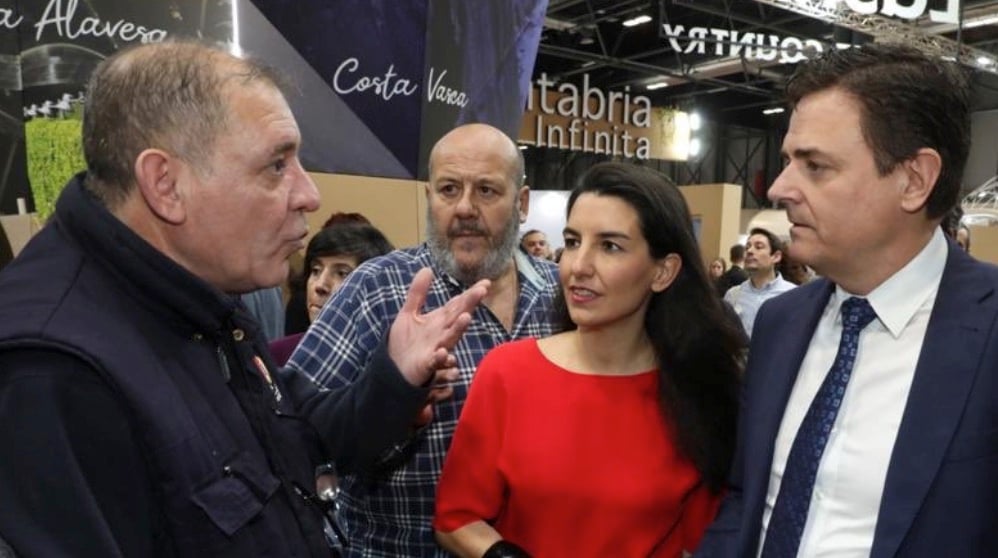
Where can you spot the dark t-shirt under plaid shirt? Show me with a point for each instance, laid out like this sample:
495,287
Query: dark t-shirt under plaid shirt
388,512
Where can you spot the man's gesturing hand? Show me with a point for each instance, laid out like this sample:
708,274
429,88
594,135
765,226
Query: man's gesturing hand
419,344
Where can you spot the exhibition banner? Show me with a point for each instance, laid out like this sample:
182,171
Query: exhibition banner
375,83
49,48
408,72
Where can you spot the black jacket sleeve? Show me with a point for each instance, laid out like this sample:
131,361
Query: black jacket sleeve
358,423
73,481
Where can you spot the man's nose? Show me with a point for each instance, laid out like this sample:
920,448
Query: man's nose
465,205
780,188
305,195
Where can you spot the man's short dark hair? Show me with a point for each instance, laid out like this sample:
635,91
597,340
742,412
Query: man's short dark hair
530,232
775,244
908,101
169,96
736,253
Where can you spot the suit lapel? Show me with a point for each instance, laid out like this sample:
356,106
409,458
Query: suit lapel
961,317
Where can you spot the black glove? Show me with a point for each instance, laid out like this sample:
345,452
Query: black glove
505,549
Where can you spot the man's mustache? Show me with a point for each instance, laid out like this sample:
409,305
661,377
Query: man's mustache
466,229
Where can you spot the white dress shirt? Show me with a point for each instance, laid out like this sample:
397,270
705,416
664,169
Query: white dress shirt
851,476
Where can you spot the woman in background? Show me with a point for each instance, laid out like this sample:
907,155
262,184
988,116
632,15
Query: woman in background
331,255
296,318
614,437
716,271
717,268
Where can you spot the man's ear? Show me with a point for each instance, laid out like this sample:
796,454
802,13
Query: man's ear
156,173
777,257
667,270
921,173
524,196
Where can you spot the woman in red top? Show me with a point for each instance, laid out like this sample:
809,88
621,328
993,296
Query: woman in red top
614,437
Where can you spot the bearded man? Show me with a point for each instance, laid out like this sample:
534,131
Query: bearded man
476,201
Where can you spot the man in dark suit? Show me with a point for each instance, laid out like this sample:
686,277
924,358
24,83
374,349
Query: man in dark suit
869,424
735,275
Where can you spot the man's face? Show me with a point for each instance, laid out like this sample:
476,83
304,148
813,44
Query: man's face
759,256
843,213
246,211
474,209
536,244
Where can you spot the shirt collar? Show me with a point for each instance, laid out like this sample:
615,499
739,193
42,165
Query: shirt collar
527,269
898,298
769,284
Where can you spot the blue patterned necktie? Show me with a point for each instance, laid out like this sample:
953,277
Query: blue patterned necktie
786,524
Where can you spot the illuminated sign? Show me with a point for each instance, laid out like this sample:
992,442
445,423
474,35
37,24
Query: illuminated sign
909,9
588,119
751,45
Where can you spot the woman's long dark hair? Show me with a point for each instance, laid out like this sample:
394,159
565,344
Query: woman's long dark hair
698,345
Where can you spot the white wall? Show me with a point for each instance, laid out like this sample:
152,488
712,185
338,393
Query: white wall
547,214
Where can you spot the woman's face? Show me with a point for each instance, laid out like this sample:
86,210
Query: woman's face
324,277
607,273
716,269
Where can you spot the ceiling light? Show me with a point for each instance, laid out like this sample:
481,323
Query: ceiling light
981,21
695,121
694,147
558,24
657,85
774,110
985,61
643,18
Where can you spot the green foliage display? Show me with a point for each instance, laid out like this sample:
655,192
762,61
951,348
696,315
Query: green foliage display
55,154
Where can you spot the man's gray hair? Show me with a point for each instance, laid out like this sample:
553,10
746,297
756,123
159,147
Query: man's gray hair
169,96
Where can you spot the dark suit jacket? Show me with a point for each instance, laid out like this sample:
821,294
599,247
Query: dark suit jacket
941,491
734,276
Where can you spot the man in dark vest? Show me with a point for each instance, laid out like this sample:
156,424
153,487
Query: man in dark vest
141,413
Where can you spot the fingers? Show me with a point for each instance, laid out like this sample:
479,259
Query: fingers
424,416
443,384
416,296
468,300
441,358
419,343
445,376
453,331
479,290
442,389
438,395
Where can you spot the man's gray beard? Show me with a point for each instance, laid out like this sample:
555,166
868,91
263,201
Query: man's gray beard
491,267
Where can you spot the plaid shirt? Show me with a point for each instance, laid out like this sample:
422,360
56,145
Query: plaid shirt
388,512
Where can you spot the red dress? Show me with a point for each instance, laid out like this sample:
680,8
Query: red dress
568,464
